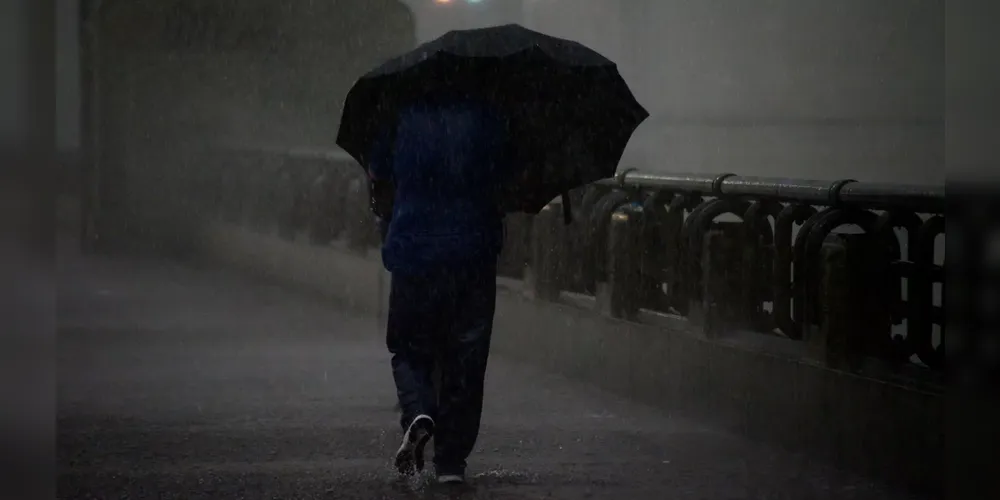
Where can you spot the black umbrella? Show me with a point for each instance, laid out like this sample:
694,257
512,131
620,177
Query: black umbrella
554,92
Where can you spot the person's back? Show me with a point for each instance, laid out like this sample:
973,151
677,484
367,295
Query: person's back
446,161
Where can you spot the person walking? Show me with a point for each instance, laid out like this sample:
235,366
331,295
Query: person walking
447,160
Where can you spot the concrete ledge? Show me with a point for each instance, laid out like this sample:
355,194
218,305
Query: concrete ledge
884,430
353,280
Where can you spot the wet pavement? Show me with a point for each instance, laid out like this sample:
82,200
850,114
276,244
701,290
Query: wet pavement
183,383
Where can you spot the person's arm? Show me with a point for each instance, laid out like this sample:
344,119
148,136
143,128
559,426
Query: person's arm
380,158
380,183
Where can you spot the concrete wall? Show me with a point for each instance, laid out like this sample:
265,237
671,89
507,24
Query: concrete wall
262,74
177,77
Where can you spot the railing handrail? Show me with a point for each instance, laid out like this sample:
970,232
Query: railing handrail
921,198
916,197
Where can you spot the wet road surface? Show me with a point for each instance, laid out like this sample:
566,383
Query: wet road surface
180,383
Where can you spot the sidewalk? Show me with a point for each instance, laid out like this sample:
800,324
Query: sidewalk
191,384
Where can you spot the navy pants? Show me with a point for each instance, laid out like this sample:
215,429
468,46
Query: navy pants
443,320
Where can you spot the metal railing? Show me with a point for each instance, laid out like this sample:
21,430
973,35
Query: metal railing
850,271
783,263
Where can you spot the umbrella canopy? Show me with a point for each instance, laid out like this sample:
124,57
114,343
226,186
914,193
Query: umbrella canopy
570,114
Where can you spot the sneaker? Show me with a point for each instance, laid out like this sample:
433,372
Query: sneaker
450,479
410,456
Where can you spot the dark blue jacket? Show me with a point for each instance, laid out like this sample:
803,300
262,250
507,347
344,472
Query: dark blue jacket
447,160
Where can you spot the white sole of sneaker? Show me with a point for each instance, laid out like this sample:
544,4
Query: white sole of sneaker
410,455
450,479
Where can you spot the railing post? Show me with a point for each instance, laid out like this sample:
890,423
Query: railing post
717,305
624,260
548,247
339,201
853,308
595,257
828,341
323,204
360,221
285,205
517,246
261,214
